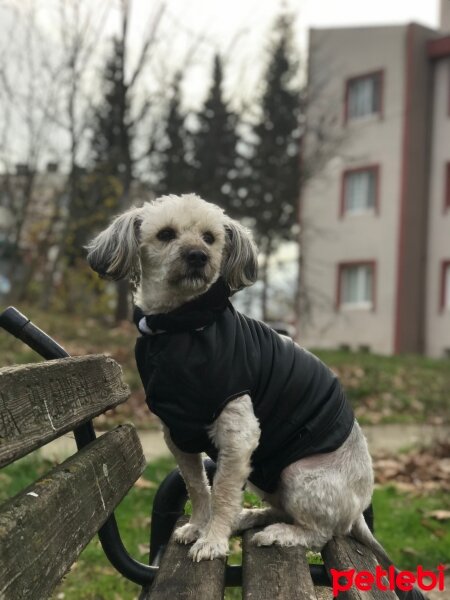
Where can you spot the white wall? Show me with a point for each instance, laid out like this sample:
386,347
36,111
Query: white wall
336,55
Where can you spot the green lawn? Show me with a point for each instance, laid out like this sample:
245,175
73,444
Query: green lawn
402,525
393,389
401,389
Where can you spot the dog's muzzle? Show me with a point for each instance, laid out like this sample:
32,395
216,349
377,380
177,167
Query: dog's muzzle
196,259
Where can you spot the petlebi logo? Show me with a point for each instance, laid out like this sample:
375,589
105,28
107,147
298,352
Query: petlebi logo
389,579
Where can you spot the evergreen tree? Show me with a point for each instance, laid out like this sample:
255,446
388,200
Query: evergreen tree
111,148
214,146
175,171
112,131
273,177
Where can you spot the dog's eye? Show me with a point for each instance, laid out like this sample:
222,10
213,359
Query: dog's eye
209,238
166,234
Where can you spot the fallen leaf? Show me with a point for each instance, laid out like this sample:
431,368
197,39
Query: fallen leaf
144,484
143,549
439,515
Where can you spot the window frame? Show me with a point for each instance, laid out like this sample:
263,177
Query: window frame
446,202
349,81
443,308
448,90
341,266
373,168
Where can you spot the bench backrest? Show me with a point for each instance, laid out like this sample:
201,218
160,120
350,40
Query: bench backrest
44,528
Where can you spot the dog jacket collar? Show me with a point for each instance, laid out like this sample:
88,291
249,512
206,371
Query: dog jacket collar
193,315
189,377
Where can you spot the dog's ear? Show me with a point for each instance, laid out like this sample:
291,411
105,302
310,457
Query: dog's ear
114,253
240,266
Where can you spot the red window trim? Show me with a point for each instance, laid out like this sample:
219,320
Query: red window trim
448,90
354,78
446,187
355,263
439,48
372,167
442,299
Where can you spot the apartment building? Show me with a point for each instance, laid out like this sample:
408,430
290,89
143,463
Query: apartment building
376,216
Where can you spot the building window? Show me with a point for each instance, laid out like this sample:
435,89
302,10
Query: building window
363,96
445,285
360,190
356,285
448,91
447,187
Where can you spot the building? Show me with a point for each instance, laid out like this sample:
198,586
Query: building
376,216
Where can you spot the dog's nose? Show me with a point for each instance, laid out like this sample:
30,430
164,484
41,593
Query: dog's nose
196,258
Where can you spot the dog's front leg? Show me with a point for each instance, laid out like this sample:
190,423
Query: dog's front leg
236,435
193,473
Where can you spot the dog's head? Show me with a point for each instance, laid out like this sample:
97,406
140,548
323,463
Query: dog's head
177,247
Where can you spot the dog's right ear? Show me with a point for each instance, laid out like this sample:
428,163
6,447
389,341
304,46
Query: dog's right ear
114,253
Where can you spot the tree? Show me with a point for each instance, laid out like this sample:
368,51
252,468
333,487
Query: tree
214,145
273,177
175,172
112,136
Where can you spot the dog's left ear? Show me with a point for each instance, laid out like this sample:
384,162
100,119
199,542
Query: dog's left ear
240,266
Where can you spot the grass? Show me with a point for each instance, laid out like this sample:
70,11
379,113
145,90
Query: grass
402,525
400,389
393,389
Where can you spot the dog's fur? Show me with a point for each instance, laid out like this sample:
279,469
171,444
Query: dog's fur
318,497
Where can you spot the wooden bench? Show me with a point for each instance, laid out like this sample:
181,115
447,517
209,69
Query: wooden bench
270,573
45,527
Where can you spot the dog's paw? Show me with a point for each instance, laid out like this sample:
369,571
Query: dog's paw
186,534
205,549
263,538
280,534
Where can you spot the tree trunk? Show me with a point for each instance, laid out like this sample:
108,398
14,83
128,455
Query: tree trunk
265,279
123,301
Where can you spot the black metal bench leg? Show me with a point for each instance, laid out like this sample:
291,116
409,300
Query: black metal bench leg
369,517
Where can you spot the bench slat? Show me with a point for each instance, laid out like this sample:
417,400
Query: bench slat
40,402
346,553
179,577
274,572
43,530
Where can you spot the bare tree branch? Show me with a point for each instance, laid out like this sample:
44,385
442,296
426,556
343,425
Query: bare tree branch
148,43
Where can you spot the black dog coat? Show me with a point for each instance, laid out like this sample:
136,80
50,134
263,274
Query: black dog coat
199,357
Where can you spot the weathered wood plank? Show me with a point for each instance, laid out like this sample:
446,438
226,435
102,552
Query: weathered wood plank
344,553
274,572
43,530
179,578
40,402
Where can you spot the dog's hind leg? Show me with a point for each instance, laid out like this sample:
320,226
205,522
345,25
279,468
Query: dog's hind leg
236,435
193,473
324,494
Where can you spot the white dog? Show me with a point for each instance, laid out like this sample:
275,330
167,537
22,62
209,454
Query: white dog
227,385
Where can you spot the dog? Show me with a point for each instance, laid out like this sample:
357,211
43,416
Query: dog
267,411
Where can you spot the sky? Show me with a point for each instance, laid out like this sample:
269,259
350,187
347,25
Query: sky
221,20
243,25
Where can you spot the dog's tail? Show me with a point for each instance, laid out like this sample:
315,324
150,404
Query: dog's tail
362,533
